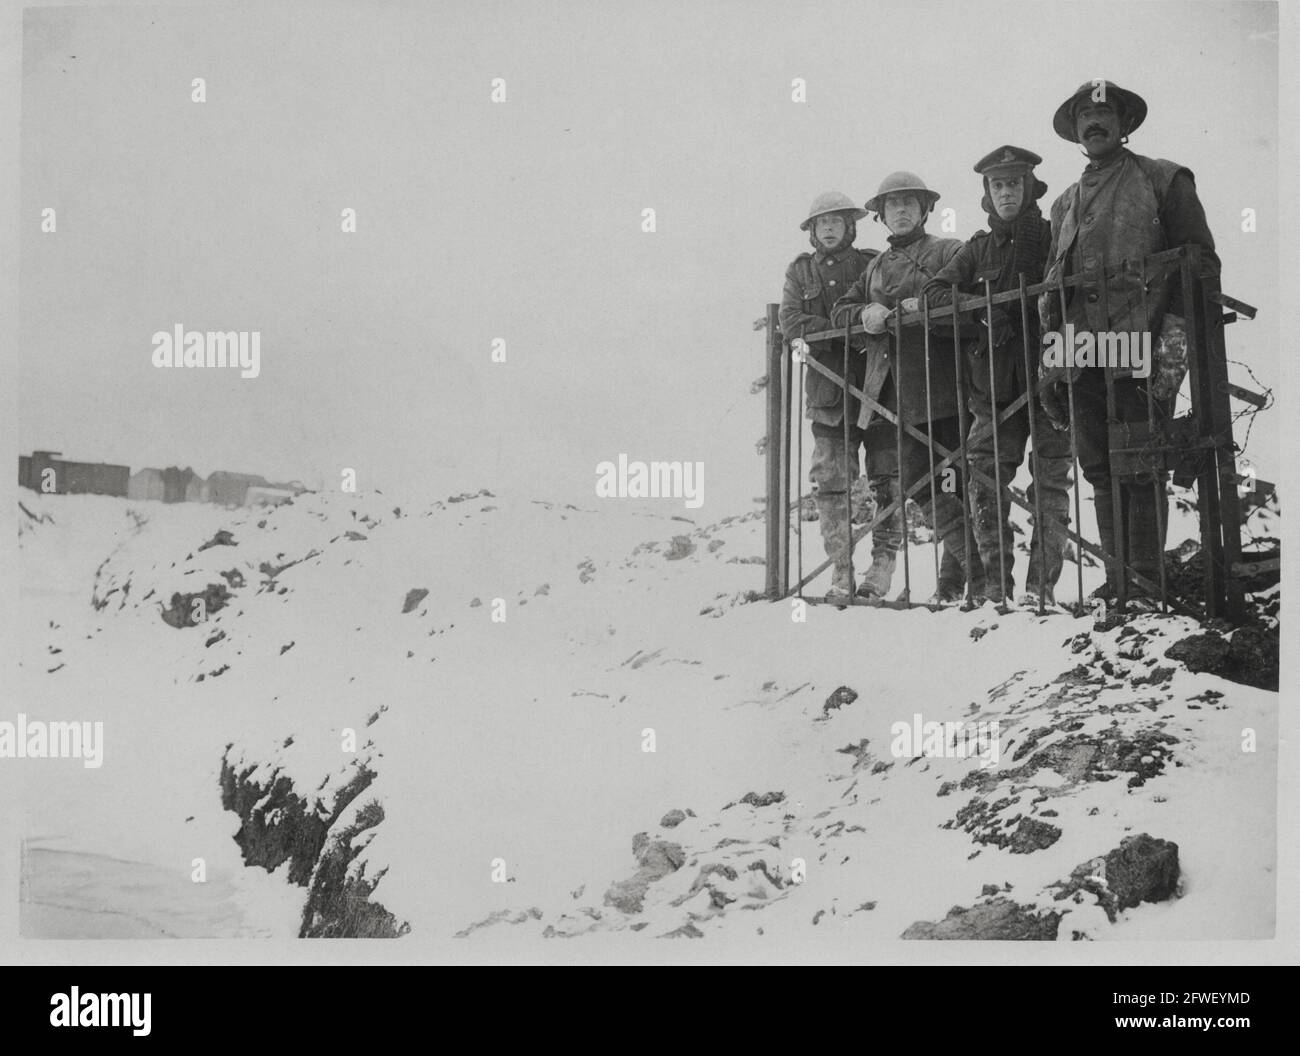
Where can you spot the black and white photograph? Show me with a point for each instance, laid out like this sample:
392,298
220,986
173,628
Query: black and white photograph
648,483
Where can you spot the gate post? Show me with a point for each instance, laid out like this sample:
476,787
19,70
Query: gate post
1207,480
1215,394
776,512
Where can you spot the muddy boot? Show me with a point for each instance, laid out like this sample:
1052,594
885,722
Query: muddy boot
886,540
1103,501
950,526
875,583
993,537
1048,547
952,577
833,518
1047,550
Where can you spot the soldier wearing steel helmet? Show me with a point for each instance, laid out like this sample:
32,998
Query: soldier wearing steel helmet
895,279
813,282
1124,207
1014,245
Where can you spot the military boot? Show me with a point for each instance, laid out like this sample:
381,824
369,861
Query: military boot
1104,502
952,578
833,517
993,535
875,583
950,526
1049,492
886,540
1047,550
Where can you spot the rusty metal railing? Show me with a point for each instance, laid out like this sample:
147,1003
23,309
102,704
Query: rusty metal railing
1195,448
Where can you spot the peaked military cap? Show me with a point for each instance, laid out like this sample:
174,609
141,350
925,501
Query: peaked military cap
1132,105
1007,161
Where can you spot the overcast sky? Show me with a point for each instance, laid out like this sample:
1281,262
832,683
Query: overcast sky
522,220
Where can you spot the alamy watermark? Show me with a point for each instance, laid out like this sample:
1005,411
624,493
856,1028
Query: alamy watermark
76,1009
1091,348
36,739
946,740
651,480
209,348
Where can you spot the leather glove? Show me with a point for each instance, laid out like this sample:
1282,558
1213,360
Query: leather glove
1170,366
875,317
1055,402
1054,397
1001,332
1049,311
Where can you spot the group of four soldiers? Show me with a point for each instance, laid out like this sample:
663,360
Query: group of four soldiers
1123,208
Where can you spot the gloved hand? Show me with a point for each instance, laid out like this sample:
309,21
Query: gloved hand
1054,397
1055,402
875,317
1170,366
1001,331
1049,311
799,349
910,304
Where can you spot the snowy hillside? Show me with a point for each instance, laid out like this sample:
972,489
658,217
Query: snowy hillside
493,721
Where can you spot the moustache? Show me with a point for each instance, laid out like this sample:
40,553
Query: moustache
1094,128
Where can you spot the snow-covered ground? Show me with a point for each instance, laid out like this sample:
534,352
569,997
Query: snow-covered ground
572,676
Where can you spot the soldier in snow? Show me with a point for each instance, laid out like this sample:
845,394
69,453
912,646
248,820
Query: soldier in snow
1015,244
813,282
1124,207
892,280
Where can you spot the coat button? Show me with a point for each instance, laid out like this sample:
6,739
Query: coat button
832,282
1092,298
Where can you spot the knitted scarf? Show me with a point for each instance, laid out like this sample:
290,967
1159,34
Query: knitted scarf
1026,230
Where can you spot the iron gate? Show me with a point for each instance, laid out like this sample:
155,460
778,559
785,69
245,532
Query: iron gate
1198,448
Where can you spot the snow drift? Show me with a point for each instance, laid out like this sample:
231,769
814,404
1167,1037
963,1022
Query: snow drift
493,720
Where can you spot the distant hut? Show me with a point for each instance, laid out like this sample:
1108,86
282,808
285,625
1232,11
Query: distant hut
176,482
146,484
197,490
32,470
231,489
72,478
95,478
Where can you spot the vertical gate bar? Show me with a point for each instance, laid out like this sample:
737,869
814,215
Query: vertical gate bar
773,451
902,487
1210,320
997,456
787,364
848,481
1119,505
798,474
964,476
1074,459
1031,383
1207,493
929,415
1158,487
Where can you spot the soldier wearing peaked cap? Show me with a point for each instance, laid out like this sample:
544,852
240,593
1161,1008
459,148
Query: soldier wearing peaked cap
897,379
1014,245
813,282
1123,208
